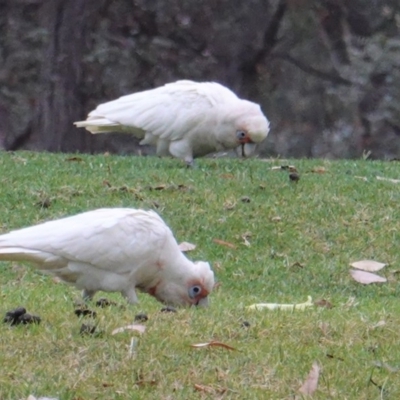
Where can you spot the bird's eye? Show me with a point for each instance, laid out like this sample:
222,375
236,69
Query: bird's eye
194,291
241,134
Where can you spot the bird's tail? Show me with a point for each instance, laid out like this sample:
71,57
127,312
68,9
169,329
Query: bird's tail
99,125
47,260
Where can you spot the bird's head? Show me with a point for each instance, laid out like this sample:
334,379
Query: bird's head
191,287
244,126
252,127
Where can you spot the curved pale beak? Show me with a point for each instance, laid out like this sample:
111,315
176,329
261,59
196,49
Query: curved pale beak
203,302
246,149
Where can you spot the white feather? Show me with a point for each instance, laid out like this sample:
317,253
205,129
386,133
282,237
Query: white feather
116,249
190,119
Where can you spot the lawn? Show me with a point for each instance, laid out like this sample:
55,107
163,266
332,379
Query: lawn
285,241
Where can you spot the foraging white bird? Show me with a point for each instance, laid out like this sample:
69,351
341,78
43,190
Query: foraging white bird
184,119
113,250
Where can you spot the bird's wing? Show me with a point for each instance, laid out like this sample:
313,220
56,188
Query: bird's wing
110,239
167,112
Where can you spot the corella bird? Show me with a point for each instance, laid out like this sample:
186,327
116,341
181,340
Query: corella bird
114,250
184,119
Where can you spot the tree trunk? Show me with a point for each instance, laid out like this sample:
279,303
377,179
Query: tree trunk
68,25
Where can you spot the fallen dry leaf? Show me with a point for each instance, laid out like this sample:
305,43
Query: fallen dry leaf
223,243
213,343
324,326
379,324
276,219
229,205
323,303
311,383
368,265
203,388
366,277
74,159
227,176
296,264
245,241
318,170
138,328
31,397
381,178
363,178
186,246
158,187
332,356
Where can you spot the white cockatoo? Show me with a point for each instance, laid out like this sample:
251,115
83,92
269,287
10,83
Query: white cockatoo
114,250
184,119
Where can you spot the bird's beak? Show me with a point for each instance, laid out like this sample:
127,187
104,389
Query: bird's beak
244,140
203,302
246,149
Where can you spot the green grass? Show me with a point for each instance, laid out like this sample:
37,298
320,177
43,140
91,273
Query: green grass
325,221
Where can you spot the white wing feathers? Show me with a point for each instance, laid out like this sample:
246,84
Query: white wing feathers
167,112
97,237
112,250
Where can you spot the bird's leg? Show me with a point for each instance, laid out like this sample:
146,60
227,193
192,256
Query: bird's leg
87,295
130,295
243,152
190,163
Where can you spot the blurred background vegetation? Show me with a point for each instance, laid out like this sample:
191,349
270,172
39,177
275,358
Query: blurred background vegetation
326,73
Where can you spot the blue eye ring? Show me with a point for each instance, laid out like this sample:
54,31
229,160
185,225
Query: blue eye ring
194,291
241,134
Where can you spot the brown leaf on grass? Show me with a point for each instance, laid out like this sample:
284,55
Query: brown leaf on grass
229,205
245,241
318,170
79,159
159,187
379,324
186,246
381,178
137,328
366,277
45,202
204,388
107,183
227,176
276,219
363,178
311,383
213,343
217,393
223,243
324,327
297,264
333,356
323,303
368,265
245,236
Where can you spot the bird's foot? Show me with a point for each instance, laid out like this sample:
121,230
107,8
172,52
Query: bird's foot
190,164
